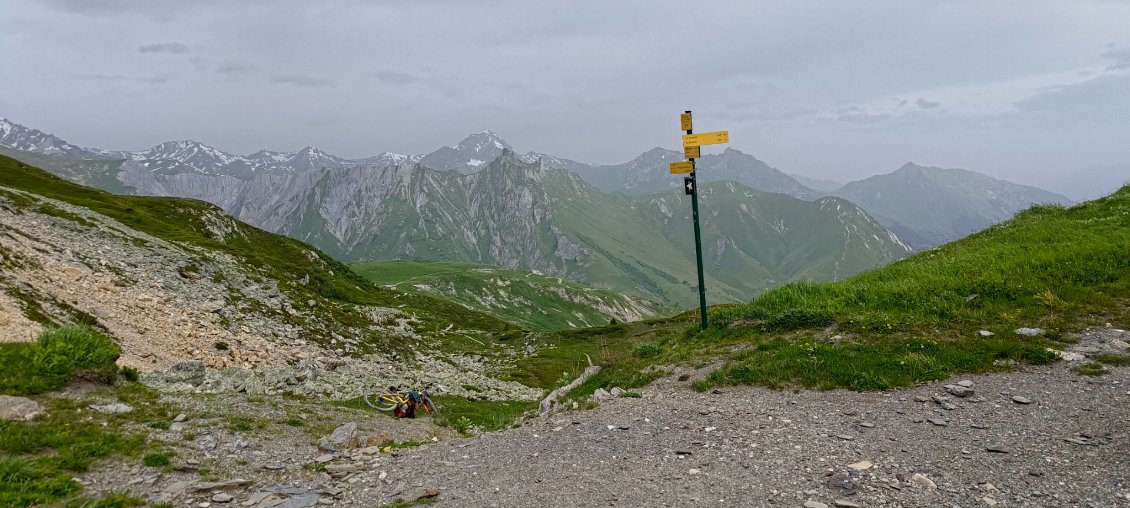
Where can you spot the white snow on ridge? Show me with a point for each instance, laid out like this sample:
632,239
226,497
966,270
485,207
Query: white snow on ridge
475,163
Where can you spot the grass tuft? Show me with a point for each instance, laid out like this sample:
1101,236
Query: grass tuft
56,357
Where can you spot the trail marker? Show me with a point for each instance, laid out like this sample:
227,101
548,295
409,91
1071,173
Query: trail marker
706,138
685,122
691,150
681,167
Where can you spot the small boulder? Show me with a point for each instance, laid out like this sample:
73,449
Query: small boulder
1029,332
1068,356
601,394
116,407
190,372
921,480
344,436
1021,400
841,483
18,408
959,390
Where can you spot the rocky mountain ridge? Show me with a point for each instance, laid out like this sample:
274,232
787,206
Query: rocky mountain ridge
162,169
512,213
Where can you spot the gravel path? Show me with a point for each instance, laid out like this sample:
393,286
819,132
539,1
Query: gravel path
1038,436
745,446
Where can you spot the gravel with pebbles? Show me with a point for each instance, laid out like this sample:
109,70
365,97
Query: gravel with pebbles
1070,446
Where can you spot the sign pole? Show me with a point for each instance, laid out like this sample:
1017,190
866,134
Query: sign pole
692,149
697,238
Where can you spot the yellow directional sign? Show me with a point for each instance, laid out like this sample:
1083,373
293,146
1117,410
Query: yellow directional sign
681,167
706,138
692,152
685,122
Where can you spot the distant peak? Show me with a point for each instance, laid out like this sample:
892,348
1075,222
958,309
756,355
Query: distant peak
485,140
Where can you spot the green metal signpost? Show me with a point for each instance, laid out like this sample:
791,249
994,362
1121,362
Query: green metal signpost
691,150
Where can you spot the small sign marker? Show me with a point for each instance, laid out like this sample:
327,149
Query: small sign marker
681,167
706,138
692,152
688,185
685,122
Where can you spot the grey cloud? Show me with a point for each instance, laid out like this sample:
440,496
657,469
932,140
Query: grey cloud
235,68
1104,98
857,115
767,111
1121,57
155,79
156,9
927,104
163,47
396,78
305,80
97,76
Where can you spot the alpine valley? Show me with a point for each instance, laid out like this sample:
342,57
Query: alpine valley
621,227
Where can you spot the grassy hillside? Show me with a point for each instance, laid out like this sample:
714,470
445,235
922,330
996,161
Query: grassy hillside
301,270
534,301
1059,269
100,174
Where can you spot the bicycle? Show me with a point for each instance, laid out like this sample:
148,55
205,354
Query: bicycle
389,400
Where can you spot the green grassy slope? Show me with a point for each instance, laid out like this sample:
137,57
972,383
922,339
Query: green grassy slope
752,240
527,299
1060,269
100,174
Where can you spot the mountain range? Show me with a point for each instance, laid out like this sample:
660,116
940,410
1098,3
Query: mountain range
517,211
478,201
931,206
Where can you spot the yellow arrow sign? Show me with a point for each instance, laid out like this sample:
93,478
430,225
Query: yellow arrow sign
685,122
678,168
706,138
692,152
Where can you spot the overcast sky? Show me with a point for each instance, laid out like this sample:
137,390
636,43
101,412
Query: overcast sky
1021,90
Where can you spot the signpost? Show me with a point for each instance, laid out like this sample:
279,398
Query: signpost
692,150
681,167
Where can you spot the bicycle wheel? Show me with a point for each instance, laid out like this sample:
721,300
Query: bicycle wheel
381,401
428,405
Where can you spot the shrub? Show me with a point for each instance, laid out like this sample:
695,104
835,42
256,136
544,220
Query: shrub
57,356
647,350
71,351
463,424
130,374
156,460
